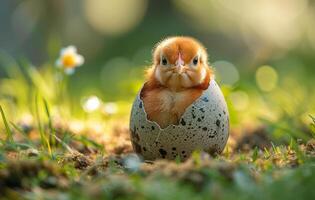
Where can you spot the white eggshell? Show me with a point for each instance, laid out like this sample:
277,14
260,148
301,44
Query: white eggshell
203,126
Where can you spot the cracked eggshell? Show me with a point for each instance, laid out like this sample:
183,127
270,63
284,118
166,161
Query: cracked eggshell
203,126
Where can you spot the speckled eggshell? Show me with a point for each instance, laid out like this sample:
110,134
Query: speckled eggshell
203,126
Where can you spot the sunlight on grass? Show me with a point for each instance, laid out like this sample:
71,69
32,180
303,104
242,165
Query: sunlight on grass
7,128
65,140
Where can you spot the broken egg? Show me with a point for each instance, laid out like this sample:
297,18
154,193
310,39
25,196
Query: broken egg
204,126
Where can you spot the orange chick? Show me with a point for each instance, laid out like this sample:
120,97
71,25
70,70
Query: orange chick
178,76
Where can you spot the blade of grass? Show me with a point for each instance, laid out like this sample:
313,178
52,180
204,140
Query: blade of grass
267,153
88,142
44,139
36,78
274,147
17,146
313,125
255,154
53,136
295,146
64,144
52,131
39,126
7,128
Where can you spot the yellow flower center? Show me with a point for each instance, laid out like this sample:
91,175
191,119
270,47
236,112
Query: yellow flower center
68,61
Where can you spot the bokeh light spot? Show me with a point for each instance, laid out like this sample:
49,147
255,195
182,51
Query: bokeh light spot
91,104
114,16
226,72
240,100
110,108
266,78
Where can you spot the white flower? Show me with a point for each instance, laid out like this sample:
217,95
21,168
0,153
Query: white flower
69,59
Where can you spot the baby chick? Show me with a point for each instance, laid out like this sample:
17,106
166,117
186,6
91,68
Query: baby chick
178,76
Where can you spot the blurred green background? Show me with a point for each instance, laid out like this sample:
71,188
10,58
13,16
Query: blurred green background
262,52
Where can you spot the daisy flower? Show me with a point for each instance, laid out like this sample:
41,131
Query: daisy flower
69,59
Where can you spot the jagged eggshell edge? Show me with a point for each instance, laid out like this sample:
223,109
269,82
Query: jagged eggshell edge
203,126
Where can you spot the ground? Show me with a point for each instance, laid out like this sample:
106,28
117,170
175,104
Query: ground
82,167
56,143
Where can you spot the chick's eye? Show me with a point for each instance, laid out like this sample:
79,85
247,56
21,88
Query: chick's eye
195,61
164,61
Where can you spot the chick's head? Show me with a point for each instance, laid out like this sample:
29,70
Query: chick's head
181,63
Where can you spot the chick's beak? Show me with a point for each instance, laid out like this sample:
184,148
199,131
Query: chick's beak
180,64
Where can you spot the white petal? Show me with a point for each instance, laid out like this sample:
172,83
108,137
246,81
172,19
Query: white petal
79,60
68,50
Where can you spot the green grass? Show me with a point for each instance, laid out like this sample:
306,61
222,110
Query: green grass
64,152
33,173
251,175
7,128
